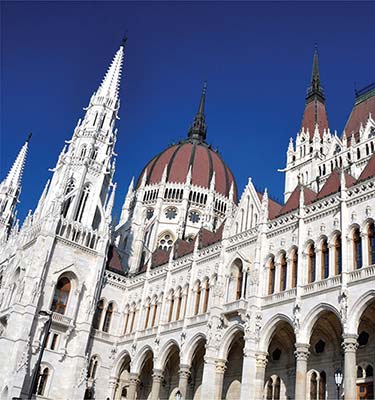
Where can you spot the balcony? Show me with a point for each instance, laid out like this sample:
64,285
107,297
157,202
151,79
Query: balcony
280,297
61,320
362,273
324,284
235,307
197,319
173,325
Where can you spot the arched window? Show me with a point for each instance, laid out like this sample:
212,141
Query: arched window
294,268
206,296
126,320
313,386
66,205
271,279
269,389
83,152
94,153
108,317
93,366
82,203
166,241
338,257
171,305
357,249
371,244
155,310
322,386
283,272
179,301
132,318
276,390
197,298
61,295
359,372
239,282
311,263
98,314
325,260
41,382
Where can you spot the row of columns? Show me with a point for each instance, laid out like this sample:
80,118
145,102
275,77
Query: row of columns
253,374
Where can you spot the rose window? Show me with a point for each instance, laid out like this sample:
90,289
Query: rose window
194,217
171,213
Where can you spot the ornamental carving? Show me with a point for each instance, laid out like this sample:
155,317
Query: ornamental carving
23,361
302,353
297,318
83,373
350,345
258,324
253,276
215,332
344,306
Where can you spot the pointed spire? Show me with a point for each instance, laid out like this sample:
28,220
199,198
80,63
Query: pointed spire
111,82
212,183
198,129
111,201
14,176
39,207
315,89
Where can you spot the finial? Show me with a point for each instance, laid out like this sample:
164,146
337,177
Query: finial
199,128
123,41
29,137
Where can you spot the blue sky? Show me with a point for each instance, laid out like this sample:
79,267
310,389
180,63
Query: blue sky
256,58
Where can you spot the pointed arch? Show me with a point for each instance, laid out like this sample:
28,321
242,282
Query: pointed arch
165,352
228,338
358,309
141,357
191,346
270,327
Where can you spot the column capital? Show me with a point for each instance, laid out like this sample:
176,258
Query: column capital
261,359
157,375
184,371
134,378
220,366
350,343
302,351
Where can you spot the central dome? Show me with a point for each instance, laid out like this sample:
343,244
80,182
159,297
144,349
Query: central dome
192,153
203,162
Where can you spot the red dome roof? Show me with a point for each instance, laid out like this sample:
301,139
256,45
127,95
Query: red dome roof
204,162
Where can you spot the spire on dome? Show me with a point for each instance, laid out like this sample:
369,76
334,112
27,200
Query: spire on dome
111,82
198,129
315,113
14,176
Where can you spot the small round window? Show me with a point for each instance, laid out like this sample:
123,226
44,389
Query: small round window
149,213
165,242
171,213
194,217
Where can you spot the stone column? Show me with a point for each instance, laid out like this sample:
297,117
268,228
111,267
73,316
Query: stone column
209,375
248,381
220,371
113,386
350,345
261,363
184,374
157,379
133,384
302,354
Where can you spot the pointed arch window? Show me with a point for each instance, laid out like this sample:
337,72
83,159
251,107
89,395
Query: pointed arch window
283,275
371,244
83,152
126,321
311,263
41,383
148,310
155,310
271,279
294,268
197,298
132,319
61,295
93,366
269,389
322,386
179,301
206,296
324,260
239,282
313,386
338,256
276,390
82,203
66,205
108,317
98,314
171,306
357,249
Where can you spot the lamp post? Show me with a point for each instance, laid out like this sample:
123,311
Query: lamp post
44,344
338,381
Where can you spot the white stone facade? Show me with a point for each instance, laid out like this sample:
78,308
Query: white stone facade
269,308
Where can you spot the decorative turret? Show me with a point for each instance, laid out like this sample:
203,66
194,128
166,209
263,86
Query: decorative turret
198,129
10,189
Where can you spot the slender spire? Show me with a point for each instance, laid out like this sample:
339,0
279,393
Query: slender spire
315,89
111,82
14,176
198,129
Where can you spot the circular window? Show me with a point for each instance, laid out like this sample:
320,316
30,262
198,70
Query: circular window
149,213
319,347
171,213
194,217
363,338
165,242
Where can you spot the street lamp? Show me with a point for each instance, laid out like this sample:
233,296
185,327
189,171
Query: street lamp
47,328
338,381
178,395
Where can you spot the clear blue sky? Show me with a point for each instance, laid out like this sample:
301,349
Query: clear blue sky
256,57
